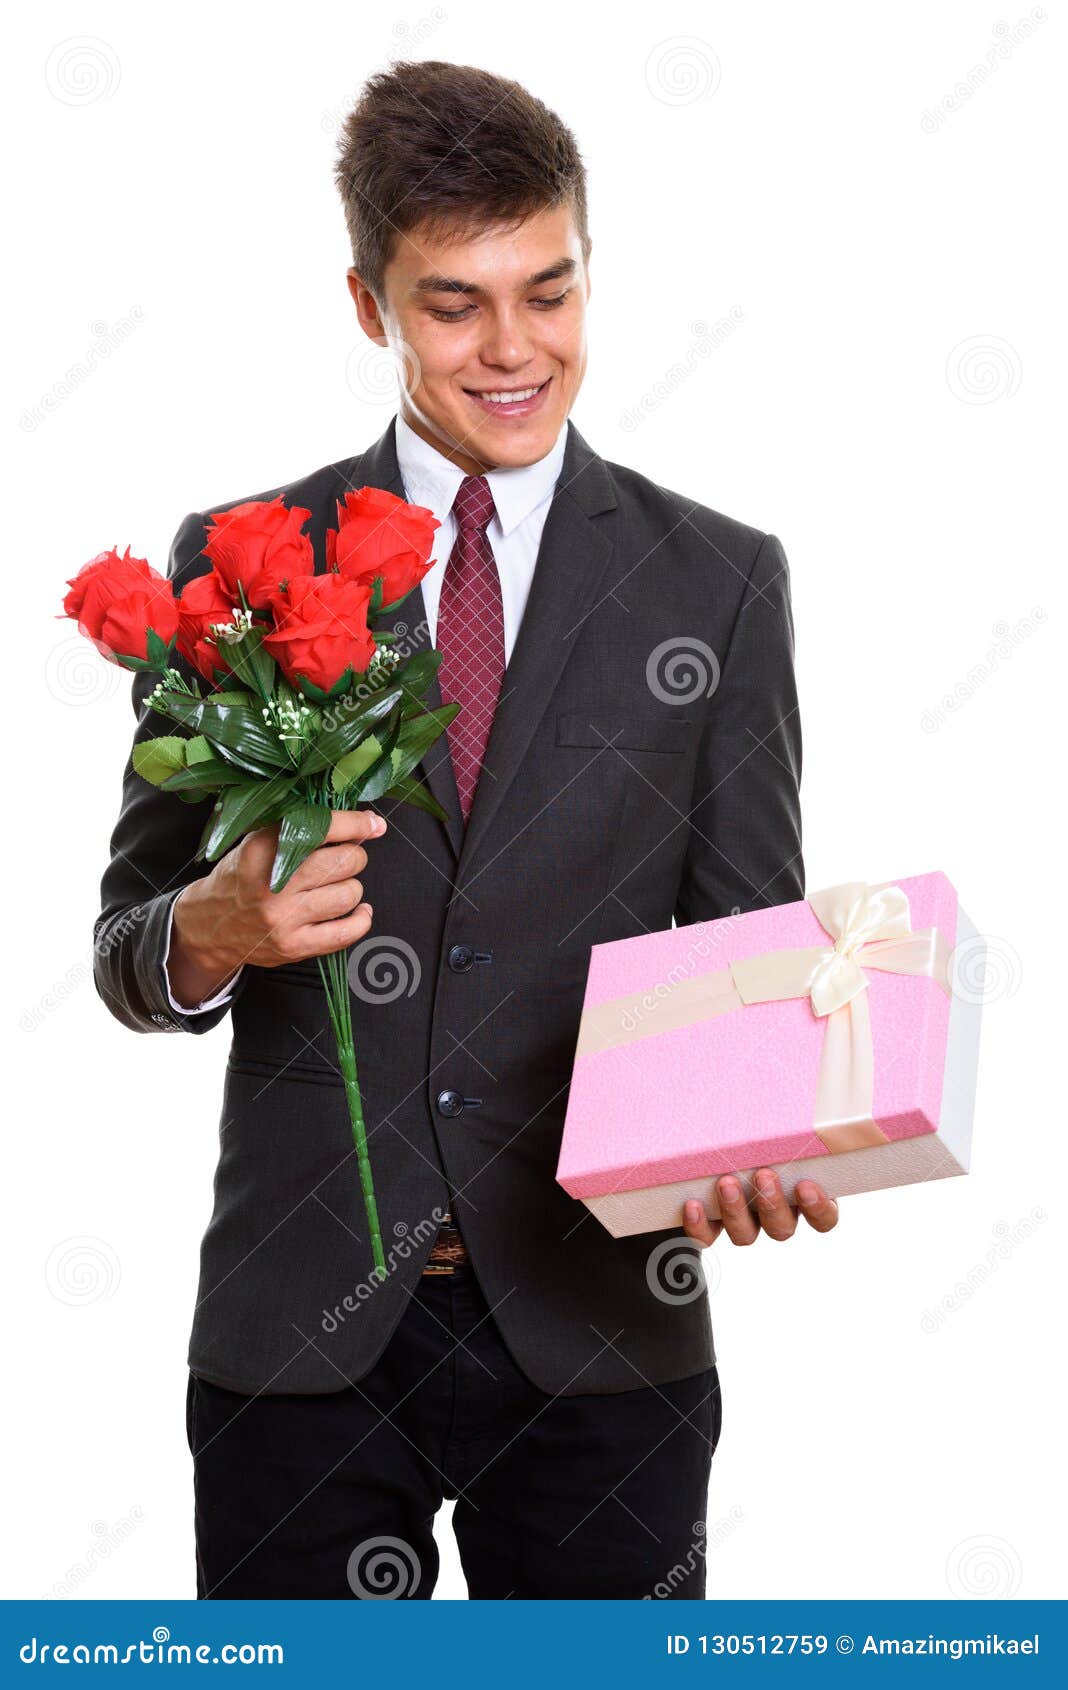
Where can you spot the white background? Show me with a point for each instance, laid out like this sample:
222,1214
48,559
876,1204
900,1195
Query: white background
875,219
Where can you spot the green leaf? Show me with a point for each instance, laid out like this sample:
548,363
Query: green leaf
158,651
415,793
250,663
206,776
241,809
302,831
283,692
414,740
355,763
378,774
157,759
197,750
158,659
416,675
350,728
237,731
316,694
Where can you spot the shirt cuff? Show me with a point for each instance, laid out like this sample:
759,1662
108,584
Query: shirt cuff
223,995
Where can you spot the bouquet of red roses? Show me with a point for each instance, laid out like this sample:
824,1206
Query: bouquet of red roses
305,706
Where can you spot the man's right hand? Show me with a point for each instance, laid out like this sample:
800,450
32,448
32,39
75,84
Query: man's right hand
231,916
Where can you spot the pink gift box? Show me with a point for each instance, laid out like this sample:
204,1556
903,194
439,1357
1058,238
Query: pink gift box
689,1066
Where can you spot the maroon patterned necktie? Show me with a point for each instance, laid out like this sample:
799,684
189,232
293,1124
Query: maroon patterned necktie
470,635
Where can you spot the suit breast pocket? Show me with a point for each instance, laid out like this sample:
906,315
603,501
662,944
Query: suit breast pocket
623,730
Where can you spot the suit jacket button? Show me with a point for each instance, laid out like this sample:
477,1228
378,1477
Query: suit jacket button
460,958
449,1102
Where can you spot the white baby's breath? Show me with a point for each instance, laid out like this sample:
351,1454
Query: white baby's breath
229,633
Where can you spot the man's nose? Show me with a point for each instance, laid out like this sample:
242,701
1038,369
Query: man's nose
507,344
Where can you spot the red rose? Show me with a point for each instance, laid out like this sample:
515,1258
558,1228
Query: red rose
379,534
259,545
203,602
117,600
321,629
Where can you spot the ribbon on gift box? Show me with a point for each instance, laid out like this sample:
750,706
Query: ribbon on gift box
872,928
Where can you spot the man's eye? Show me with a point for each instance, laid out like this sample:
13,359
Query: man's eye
457,316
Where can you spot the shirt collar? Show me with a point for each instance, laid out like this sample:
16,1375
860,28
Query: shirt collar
433,480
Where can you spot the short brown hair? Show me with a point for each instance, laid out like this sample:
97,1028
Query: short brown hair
453,148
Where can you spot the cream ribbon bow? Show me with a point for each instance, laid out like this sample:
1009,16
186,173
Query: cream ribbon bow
871,927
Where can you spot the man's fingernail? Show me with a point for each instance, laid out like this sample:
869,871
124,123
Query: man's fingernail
806,1195
766,1185
693,1211
377,824
730,1190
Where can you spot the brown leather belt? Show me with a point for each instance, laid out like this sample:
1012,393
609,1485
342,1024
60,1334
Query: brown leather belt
448,1249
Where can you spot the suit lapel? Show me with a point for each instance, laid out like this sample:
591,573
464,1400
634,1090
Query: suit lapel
572,561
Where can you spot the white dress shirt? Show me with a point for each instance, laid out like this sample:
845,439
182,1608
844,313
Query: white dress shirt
521,497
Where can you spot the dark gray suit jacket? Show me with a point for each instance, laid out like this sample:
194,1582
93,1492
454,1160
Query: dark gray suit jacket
613,797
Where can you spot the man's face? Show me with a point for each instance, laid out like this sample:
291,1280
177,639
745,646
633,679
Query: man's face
476,319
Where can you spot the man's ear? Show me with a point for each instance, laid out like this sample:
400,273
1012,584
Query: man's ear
365,303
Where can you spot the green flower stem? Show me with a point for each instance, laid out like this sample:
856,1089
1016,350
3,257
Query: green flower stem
333,971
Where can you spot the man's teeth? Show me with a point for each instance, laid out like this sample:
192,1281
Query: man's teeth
511,398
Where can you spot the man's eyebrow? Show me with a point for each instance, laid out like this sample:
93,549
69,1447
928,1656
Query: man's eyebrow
453,284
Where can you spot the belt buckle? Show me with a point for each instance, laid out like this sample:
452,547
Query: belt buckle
448,1250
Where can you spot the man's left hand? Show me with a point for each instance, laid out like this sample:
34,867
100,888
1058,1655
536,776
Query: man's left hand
771,1212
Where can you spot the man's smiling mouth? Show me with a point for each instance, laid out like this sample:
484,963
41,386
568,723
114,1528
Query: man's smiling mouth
506,395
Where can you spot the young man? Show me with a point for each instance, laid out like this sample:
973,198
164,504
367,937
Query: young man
516,1358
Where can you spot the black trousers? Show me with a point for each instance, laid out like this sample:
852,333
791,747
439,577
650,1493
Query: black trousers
334,1495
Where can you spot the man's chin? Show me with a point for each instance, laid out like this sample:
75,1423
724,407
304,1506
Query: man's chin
508,445
505,444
